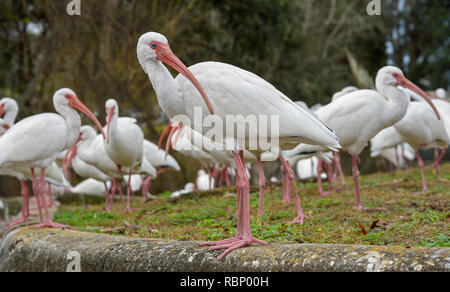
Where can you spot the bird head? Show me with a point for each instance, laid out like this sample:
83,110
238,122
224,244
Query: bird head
154,47
8,104
393,76
67,97
87,133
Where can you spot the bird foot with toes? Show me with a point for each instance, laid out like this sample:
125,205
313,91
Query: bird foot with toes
16,222
232,244
300,219
51,224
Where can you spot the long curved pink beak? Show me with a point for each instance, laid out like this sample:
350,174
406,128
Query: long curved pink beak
110,114
76,103
403,81
168,57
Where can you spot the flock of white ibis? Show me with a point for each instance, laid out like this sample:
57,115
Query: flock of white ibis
386,117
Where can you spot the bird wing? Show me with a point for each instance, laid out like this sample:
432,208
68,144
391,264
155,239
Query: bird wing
36,138
157,157
234,91
355,117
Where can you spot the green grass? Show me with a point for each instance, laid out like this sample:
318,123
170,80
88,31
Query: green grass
405,217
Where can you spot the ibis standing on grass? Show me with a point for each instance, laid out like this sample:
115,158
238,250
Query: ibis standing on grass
233,91
37,141
421,129
124,143
359,116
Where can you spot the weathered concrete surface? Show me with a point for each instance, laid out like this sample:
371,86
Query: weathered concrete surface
46,250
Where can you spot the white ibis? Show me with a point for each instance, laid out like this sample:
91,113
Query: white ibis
233,91
92,152
123,144
358,116
337,155
443,106
386,139
188,188
159,160
9,109
90,186
86,170
391,155
36,142
421,129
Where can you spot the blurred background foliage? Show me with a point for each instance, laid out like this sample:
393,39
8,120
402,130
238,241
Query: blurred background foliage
297,45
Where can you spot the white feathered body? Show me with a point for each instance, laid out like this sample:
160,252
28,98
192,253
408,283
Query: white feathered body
125,145
420,127
36,142
358,116
234,91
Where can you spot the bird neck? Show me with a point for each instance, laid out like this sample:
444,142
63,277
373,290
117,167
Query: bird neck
166,87
398,102
114,128
73,122
11,115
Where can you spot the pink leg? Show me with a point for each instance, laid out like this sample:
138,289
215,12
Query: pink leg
262,186
26,195
119,187
147,182
50,195
112,193
222,176
243,236
405,161
227,177
356,174
128,208
25,212
42,196
36,191
437,163
391,167
238,194
108,205
319,179
119,170
215,175
396,158
330,176
337,159
291,178
285,185
422,171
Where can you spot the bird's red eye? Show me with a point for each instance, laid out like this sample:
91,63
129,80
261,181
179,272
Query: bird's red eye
395,75
153,45
67,96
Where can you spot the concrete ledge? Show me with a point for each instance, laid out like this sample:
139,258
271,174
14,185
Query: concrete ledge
27,250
